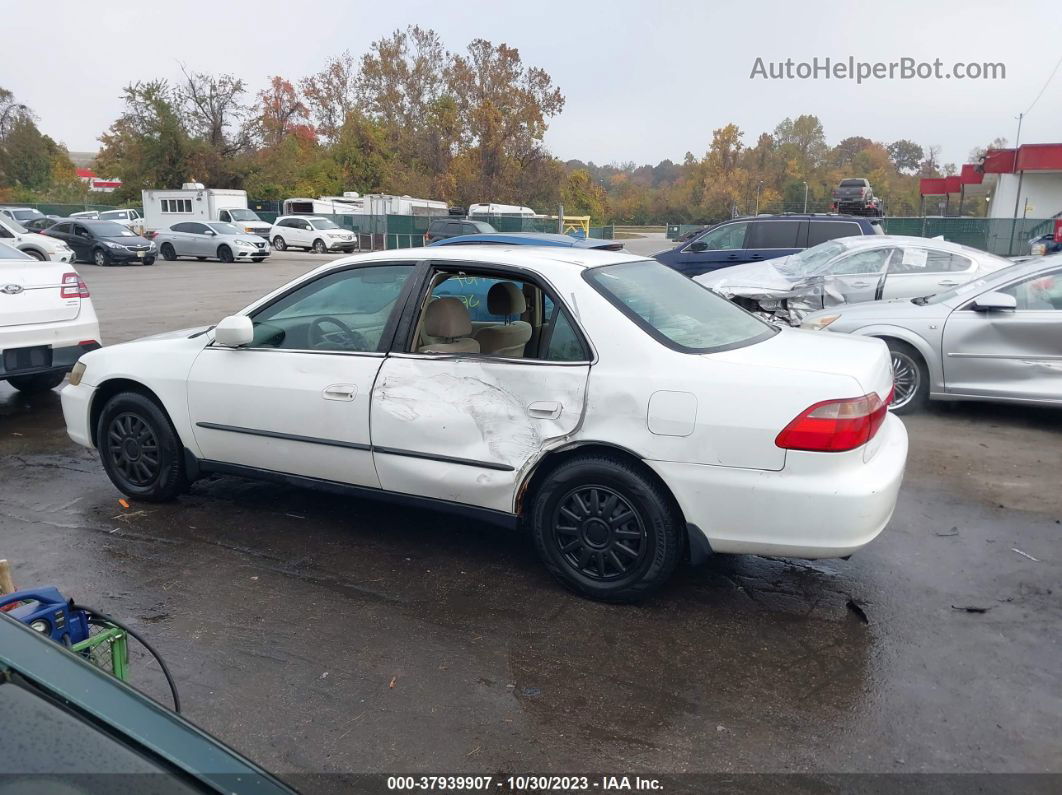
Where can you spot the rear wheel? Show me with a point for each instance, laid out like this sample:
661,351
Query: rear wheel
279,243
319,247
140,451
101,257
605,530
910,378
31,384
225,254
167,252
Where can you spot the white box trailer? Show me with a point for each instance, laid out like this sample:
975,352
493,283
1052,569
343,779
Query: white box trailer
193,202
500,209
352,203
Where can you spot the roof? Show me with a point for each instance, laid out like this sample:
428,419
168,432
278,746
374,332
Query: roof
877,241
528,239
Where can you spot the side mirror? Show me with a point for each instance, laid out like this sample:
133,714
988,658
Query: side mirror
234,331
700,245
991,302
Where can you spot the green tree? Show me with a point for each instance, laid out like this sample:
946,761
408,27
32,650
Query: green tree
582,196
906,155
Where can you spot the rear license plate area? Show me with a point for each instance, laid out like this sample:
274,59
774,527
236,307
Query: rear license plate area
27,358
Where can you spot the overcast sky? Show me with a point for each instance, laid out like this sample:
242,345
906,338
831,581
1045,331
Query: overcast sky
643,81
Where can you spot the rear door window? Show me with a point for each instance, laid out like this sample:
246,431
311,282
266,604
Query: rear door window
821,231
772,234
726,237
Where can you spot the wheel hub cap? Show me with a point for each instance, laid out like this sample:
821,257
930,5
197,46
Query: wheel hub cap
133,449
599,534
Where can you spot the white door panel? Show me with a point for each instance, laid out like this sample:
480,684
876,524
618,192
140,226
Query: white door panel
465,429
287,411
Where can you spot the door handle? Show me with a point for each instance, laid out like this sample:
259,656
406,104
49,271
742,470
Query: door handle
860,284
732,256
948,283
545,410
339,392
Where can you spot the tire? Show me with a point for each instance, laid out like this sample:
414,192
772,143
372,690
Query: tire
225,254
319,247
911,378
148,261
101,257
585,541
139,449
37,255
168,252
279,243
33,384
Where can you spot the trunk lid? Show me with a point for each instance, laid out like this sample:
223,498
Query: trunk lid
865,359
31,292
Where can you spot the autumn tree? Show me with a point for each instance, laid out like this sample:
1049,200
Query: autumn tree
906,155
582,196
214,106
331,94
282,113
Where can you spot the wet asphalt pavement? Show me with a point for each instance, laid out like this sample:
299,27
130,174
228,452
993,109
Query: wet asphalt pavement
323,634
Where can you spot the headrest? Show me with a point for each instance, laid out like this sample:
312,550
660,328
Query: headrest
447,317
505,298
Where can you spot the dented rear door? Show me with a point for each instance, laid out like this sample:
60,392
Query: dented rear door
466,429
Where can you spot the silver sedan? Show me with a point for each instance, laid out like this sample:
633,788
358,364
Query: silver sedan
997,338
849,270
210,240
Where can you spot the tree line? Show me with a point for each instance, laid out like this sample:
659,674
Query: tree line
411,117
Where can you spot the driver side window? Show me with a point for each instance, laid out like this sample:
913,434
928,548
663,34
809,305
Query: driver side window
1038,293
342,311
724,238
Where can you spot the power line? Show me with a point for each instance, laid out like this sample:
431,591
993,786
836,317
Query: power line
1046,84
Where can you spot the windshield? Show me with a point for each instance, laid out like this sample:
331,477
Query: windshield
243,215
224,229
811,260
323,223
112,229
27,215
677,311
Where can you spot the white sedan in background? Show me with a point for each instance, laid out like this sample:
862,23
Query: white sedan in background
849,270
46,321
626,418
312,233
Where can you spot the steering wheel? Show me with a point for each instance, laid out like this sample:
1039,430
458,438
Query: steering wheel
343,338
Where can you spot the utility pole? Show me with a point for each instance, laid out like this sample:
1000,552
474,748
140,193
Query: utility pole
1017,141
805,197
560,219
758,186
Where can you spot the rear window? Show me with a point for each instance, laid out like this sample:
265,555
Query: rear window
676,311
821,231
853,183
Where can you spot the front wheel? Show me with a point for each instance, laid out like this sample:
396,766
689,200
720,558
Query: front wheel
100,257
910,378
319,247
225,254
32,384
605,529
32,252
279,243
140,451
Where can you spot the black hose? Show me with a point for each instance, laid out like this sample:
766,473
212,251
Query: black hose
144,643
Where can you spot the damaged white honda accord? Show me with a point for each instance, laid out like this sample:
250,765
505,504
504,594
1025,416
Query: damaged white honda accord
628,417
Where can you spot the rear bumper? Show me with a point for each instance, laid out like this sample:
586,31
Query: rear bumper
60,360
64,338
820,505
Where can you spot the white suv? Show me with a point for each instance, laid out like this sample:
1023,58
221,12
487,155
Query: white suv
46,321
312,233
37,246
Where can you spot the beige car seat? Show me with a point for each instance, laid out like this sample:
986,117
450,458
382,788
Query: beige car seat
508,339
448,319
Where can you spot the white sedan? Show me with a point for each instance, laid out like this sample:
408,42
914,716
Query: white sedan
626,417
849,270
46,321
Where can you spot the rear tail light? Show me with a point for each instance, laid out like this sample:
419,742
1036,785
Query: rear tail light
834,426
73,287
152,234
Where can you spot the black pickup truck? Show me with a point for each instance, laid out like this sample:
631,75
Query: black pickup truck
855,197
